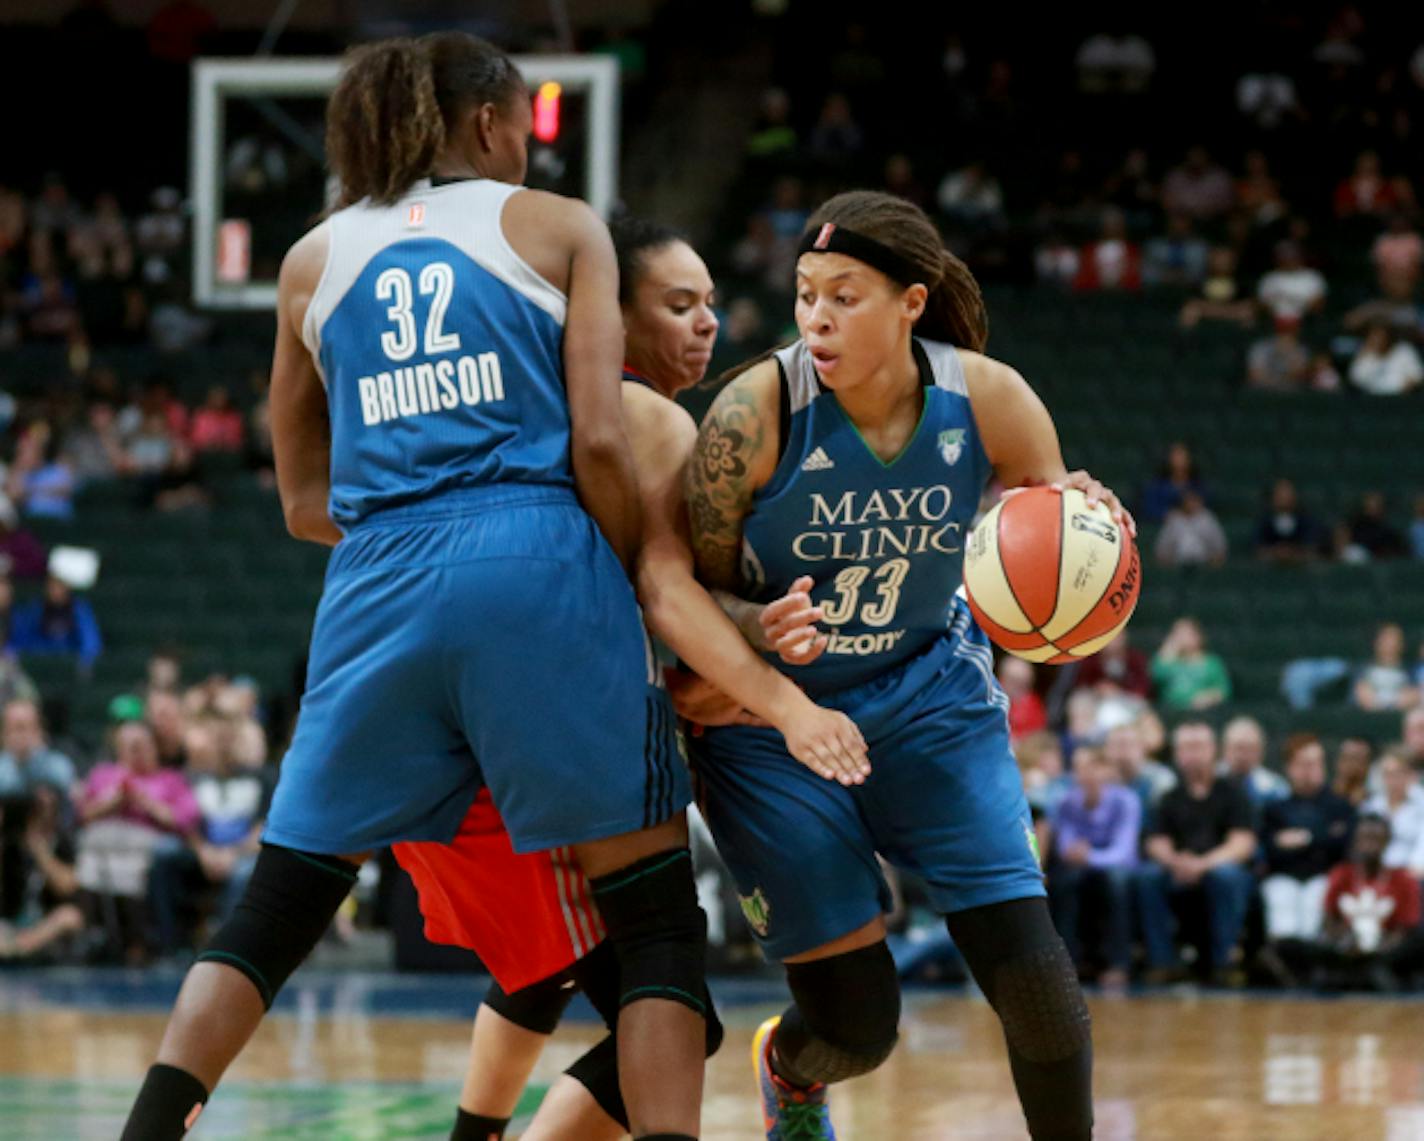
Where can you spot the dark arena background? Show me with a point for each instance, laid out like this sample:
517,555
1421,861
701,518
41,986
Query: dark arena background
1198,234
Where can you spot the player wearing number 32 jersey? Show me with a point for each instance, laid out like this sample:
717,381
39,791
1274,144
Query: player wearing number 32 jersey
447,414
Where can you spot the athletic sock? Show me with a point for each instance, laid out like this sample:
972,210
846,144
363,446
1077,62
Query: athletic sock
167,1105
473,1127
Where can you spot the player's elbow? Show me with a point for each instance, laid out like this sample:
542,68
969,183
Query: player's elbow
603,445
602,458
659,594
309,523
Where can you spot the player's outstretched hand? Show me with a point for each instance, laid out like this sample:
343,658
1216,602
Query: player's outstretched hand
697,700
789,625
828,743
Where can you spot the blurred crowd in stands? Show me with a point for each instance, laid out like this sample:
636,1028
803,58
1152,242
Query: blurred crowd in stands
124,856
1192,833
1292,224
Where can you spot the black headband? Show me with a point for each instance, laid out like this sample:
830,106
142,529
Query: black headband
834,239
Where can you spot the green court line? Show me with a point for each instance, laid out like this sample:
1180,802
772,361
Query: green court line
43,1109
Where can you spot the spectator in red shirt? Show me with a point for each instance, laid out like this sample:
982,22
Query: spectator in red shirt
1116,668
1369,191
1026,709
1113,262
1371,915
1398,255
217,425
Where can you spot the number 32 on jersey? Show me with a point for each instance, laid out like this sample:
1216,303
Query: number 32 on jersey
427,386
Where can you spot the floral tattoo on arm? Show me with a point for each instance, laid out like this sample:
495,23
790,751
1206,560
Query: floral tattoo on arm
719,491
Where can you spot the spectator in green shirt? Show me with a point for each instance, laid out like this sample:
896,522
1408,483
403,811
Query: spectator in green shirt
1186,675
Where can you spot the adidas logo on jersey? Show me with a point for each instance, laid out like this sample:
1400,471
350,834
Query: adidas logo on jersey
818,461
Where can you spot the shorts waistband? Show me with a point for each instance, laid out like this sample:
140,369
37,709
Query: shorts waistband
471,501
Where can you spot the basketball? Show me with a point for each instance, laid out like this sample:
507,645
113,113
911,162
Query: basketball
1050,579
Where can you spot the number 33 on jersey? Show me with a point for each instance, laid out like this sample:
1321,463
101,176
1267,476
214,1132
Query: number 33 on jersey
882,541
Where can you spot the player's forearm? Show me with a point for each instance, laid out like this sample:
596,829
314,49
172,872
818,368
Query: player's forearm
303,462
697,629
746,616
308,519
608,488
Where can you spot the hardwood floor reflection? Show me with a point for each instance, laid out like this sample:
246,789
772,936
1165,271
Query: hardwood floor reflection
1224,1068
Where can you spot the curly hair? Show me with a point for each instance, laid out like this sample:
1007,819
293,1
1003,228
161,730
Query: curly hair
397,100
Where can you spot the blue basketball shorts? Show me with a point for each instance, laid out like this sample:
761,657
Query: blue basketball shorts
486,639
944,801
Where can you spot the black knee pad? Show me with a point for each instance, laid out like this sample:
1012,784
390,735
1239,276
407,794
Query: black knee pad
845,1021
597,1072
537,1007
597,976
1028,977
1040,1003
282,915
657,929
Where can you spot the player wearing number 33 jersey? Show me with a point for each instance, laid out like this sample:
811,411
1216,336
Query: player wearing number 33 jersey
853,460
883,542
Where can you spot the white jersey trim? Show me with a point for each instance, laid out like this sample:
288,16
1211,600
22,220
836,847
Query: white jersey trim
311,330
468,215
803,385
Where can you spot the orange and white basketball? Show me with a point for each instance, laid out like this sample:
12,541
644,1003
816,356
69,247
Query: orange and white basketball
1050,579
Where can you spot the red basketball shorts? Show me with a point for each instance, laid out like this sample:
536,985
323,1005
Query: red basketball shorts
526,916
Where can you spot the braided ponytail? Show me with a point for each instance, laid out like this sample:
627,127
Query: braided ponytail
383,125
955,311
389,116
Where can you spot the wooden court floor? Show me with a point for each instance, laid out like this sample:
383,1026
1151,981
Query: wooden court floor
333,1064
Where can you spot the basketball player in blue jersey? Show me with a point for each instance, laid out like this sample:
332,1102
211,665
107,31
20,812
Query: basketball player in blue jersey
446,412
666,298
839,477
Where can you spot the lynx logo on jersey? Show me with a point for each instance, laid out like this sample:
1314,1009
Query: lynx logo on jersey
757,911
951,445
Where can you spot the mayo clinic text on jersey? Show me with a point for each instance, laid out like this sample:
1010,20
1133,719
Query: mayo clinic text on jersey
859,527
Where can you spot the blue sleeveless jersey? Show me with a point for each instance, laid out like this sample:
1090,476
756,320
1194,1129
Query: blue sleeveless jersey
441,351
883,541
